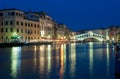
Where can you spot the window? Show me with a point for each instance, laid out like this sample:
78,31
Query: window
6,37
6,29
28,24
28,37
9,14
2,30
35,25
16,13
21,15
17,30
31,16
31,25
25,24
17,23
1,23
21,23
11,23
1,14
6,22
12,13
21,30
11,29
38,26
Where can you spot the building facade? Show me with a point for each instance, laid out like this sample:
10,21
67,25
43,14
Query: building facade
16,27
20,26
114,33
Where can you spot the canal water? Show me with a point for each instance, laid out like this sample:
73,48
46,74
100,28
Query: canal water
65,61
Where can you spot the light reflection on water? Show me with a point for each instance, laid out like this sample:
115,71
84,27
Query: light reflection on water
15,61
91,58
65,61
107,60
73,59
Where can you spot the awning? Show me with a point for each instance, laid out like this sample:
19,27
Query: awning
15,37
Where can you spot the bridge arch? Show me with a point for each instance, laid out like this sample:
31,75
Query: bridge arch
92,38
88,35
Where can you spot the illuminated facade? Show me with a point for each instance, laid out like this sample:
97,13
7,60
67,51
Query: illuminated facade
16,27
47,27
114,33
61,31
117,35
20,26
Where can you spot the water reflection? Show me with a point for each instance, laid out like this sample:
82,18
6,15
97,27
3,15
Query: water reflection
35,58
108,52
42,59
15,61
63,61
49,57
73,58
65,56
91,58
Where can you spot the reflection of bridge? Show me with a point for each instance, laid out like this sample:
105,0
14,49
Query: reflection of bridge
88,35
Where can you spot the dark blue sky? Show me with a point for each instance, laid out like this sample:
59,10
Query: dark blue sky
76,14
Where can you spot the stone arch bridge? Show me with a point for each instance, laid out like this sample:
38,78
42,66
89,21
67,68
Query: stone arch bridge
90,34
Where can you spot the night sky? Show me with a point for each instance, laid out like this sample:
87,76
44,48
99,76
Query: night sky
76,14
